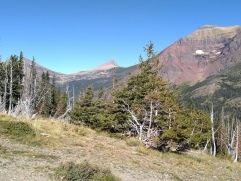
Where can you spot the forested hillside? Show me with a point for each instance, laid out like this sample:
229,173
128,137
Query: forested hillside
223,90
144,106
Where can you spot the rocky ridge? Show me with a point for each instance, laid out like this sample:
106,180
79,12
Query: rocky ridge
206,51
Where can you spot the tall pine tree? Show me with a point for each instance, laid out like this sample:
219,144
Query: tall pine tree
153,112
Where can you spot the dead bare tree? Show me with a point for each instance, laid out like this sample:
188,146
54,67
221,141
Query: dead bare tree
237,142
10,87
213,152
4,82
228,138
69,106
32,94
144,127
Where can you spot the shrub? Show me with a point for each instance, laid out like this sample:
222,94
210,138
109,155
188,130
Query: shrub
19,131
84,172
132,142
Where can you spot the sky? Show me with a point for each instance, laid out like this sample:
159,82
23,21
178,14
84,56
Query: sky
68,36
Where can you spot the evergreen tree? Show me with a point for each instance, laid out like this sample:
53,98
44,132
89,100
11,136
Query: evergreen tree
101,92
54,97
99,114
29,97
2,78
61,98
115,79
20,69
33,83
14,76
106,115
45,96
153,112
33,71
88,98
83,109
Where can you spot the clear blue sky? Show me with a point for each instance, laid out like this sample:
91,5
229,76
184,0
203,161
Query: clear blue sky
73,35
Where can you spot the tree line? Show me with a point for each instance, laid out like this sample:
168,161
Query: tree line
145,106
24,93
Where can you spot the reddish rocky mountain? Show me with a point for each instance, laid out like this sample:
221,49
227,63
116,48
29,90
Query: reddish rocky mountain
207,51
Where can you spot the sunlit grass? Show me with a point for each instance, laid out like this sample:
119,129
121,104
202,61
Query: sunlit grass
125,154
41,132
18,130
84,171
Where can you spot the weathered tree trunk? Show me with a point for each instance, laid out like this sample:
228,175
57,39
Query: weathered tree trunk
5,88
170,120
73,103
150,121
10,88
213,134
206,146
237,140
63,116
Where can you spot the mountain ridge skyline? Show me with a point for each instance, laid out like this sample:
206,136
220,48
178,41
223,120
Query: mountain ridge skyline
110,61
192,58
65,36
206,64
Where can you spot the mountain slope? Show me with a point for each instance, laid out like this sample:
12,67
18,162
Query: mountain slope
223,90
40,69
97,77
98,72
205,52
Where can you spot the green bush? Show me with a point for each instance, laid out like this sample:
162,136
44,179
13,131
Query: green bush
133,142
19,131
84,172
117,136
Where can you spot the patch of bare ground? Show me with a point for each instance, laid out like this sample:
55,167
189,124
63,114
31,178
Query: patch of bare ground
127,159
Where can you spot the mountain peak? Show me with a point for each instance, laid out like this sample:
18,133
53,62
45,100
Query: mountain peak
211,31
108,65
208,26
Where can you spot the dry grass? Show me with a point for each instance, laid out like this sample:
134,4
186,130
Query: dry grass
128,159
132,142
56,133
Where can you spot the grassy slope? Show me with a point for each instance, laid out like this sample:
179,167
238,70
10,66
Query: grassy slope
127,159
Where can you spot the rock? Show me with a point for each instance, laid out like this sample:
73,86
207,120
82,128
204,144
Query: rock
45,134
